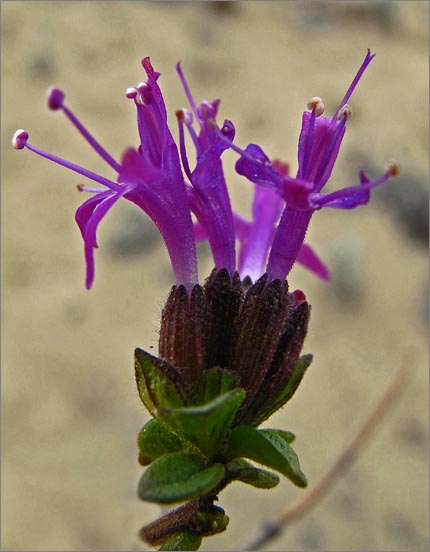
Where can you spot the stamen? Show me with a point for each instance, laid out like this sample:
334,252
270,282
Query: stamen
194,137
185,116
186,88
346,111
83,188
303,173
19,139
144,93
131,92
205,110
345,193
393,167
316,104
55,99
182,149
138,99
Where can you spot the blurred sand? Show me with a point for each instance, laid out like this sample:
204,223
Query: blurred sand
70,410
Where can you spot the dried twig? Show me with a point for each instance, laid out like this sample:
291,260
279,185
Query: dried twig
341,465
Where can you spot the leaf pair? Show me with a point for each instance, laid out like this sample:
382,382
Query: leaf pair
204,427
269,447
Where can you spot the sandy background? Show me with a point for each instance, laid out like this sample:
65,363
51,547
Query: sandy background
70,410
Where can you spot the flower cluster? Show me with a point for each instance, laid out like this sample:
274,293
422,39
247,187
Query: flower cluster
229,351
152,177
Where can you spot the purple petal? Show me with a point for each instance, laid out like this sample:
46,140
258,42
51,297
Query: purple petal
164,198
356,80
157,143
199,232
308,258
349,198
241,227
210,203
296,193
99,211
85,211
288,241
323,149
256,167
266,209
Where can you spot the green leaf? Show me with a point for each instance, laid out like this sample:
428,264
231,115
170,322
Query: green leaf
241,470
266,448
278,400
158,382
287,436
205,426
178,476
218,381
182,540
155,440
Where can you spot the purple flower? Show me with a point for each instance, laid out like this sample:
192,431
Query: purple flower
208,195
319,145
153,179
150,177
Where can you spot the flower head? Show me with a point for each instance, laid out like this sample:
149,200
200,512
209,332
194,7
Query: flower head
152,177
229,351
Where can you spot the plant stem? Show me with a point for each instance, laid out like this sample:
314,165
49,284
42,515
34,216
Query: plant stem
341,465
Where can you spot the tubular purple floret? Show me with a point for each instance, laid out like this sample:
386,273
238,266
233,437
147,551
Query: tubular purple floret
343,102
19,139
55,98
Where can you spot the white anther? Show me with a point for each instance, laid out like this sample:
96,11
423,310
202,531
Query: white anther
131,92
139,99
143,86
345,111
19,139
317,104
